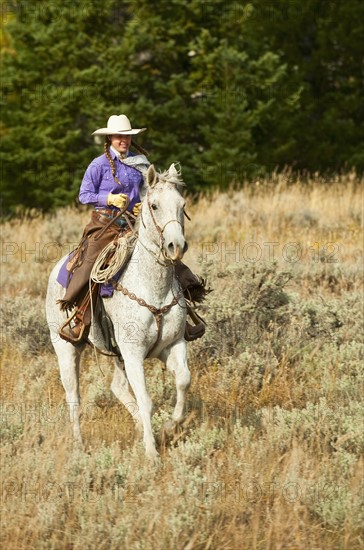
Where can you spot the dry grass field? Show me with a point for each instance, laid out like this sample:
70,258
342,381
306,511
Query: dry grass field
271,454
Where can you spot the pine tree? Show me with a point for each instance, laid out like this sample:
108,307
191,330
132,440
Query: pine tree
52,93
321,45
230,89
205,90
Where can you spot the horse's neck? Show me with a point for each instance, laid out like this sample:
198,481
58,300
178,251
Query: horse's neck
146,271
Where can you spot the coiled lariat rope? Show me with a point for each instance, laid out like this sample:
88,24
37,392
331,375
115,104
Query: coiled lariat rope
113,258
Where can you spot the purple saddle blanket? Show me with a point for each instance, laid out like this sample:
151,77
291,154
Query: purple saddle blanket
64,277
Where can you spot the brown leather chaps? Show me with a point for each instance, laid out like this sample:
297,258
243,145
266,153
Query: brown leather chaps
95,237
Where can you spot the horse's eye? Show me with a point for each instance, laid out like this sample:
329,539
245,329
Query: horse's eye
155,207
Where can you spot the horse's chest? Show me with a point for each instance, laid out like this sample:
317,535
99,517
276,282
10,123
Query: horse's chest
164,326
136,323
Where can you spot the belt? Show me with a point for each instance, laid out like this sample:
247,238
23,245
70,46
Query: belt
109,212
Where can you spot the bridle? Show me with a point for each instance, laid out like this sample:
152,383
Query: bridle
157,312
160,230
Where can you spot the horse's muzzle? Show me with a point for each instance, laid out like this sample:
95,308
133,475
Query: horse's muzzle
176,252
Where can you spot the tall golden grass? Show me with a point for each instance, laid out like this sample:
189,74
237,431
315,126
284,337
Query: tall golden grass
270,455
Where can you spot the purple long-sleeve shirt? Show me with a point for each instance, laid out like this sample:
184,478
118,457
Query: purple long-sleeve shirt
98,181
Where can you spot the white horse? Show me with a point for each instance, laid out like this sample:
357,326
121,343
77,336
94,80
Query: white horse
158,331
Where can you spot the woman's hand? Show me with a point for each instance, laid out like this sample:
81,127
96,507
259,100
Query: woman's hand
137,208
120,200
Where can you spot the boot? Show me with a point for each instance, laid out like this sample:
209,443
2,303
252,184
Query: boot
77,327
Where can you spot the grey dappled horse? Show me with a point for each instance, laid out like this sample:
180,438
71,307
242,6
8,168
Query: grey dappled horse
150,276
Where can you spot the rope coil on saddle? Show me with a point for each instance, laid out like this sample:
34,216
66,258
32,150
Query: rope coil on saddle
113,258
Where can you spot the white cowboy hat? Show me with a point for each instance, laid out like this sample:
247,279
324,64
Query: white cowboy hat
118,124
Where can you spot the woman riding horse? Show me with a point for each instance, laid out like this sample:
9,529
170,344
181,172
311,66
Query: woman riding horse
112,184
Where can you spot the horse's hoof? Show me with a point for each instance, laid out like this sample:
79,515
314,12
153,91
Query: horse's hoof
78,445
167,433
169,429
153,457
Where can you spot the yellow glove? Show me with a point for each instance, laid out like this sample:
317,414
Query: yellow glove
137,208
117,200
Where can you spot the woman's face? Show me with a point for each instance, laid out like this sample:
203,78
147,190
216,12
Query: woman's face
121,143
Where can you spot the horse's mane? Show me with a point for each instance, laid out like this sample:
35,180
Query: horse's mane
173,179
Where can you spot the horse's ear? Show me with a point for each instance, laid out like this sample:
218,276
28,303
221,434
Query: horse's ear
174,170
151,176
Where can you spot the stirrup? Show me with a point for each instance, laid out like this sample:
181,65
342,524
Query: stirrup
197,330
66,331
193,332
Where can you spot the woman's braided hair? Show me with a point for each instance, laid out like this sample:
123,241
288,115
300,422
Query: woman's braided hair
110,159
139,148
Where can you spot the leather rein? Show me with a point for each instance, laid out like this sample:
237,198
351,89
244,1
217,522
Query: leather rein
160,231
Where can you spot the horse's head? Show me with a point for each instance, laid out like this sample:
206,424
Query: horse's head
163,212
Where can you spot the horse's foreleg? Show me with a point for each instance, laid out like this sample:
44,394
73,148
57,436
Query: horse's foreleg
120,388
69,365
135,373
175,359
